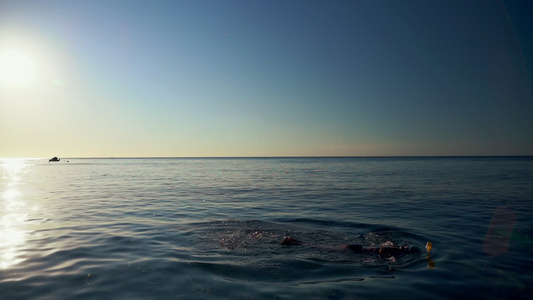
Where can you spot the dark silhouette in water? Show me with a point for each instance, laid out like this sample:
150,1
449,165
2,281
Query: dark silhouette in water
54,159
386,250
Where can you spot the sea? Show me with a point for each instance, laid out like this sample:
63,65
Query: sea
210,228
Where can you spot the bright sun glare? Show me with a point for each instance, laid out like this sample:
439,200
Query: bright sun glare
16,68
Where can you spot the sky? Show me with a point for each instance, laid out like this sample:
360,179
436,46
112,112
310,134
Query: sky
139,78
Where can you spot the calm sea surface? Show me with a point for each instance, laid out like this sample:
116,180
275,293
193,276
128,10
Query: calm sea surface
210,228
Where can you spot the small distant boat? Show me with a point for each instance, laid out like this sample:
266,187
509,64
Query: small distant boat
54,159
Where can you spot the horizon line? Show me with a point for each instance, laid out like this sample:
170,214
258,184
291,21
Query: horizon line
252,157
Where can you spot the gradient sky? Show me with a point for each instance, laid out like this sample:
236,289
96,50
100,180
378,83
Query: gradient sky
267,78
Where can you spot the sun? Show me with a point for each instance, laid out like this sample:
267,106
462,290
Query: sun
16,68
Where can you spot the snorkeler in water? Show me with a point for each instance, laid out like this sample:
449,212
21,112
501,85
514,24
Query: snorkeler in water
388,249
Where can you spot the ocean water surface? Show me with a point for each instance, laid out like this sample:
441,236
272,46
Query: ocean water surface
210,228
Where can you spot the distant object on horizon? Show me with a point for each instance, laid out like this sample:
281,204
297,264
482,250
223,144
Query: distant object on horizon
54,159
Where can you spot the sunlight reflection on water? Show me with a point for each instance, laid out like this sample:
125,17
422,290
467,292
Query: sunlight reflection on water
13,213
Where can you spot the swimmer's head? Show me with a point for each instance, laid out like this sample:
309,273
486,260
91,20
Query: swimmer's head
355,248
288,240
429,245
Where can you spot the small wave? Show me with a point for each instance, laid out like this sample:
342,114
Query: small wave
325,223
339,280
38,220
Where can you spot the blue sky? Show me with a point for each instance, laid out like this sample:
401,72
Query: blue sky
268,78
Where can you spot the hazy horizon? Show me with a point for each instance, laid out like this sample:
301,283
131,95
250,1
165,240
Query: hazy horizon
63,159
